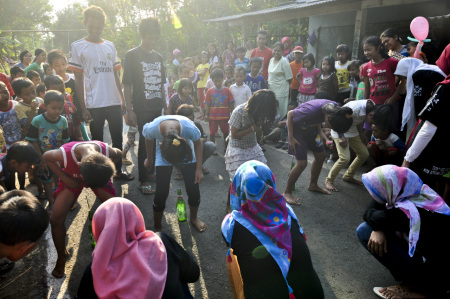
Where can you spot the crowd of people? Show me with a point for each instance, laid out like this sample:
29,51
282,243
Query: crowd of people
347,110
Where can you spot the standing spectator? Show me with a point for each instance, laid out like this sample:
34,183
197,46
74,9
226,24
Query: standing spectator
214,59
254,80
392,42
263,52
343,55
39,59
95,63
328,81
241,60
241,92
287,48
144,101
25,58
280,77
296,66
228,55
248,48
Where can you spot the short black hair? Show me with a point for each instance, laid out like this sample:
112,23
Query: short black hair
278,44
183,83
217,73
263,32
340,118
239,68
343,48
382,116
53,96
94,12
262,106
310,57
22,55
185,110
149,25
55,54
175,149
15,70
32,74
40,88
97,170
19,84
22,151
241,49
255,60
354,63
53,80
22,218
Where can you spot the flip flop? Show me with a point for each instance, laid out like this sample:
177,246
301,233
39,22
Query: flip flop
126,162
377,292
146,190
178,177
124,177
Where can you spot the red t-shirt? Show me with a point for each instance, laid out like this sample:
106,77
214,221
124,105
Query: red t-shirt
220,103
381,78
265,56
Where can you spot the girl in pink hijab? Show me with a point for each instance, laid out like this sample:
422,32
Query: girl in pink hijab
132,262
286,41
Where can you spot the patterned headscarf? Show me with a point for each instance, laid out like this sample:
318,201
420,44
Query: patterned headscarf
400,187
259,207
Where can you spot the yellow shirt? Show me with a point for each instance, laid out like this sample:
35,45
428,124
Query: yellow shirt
204,79
23,110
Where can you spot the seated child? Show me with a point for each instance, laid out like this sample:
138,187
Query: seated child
78,165
48,131
28,103
34,77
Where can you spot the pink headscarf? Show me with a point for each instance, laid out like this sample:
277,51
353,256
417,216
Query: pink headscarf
128,261
288,50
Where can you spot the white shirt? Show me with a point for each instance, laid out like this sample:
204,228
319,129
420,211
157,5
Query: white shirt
241,94
97,62
359,116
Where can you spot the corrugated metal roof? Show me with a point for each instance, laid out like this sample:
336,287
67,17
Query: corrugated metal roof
294,5
440,17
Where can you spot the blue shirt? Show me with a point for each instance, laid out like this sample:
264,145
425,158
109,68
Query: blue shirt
189,132
255,84
244,63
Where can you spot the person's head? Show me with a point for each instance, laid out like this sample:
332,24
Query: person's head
94,21
338,118
212,50
40,90
96,170
286,41
248,45
229,71
292,105
374,48
390,39
239,75
149,31
21,156
175,149
189,61
262,106
328,65
228,82
16,72
343,53
23,221
277,50
230,45
354,68
411,48
309,61
382,116
217,77
186,111
48,70
380,132
261,38
55,82
4,93
204,57
54,104
34,77
24,89
185,87
26,57
58,61
240,52
255,66
184,71
40,56
298,53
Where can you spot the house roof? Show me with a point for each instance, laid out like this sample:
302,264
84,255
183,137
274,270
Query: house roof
440,17
294,5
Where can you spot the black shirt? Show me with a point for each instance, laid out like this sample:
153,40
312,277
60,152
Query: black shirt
181,269
146,73
424,83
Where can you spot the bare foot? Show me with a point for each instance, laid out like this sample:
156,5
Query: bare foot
400,291
316,188
330,186
353,181
58,271
198,224
291,200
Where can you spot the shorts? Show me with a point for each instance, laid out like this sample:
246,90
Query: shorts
77,191
222,123
309,139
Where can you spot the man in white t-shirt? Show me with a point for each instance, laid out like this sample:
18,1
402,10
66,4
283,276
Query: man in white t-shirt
95,64
241,92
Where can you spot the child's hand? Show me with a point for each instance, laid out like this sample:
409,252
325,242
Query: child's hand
293,142
34,105
343,142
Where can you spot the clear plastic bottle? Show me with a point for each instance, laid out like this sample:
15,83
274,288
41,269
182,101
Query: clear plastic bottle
181,207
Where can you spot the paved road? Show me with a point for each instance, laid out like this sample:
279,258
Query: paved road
345,269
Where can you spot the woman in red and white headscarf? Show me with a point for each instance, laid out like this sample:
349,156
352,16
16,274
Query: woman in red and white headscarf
132,262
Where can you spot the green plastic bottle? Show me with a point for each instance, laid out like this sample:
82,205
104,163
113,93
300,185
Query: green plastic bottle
181,207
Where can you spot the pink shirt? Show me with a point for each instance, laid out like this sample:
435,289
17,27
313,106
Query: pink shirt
381,78
308,83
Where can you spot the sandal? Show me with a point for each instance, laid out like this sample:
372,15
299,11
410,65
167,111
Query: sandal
178,177
125,161
146,190
205,170
124,176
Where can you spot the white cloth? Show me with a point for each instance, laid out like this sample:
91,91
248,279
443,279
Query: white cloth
424,136
97,62
359,116
241,94
406,68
